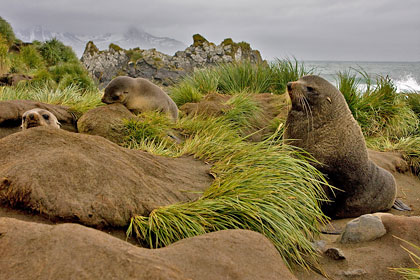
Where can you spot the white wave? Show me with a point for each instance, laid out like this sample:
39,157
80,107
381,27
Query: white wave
407,83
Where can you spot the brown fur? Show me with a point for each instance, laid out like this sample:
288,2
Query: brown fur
139,95
39,117
321,123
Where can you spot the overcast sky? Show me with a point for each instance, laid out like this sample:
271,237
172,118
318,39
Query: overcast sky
363,30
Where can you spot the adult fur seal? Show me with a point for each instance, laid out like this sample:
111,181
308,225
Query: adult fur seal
39,117
139,95
321,123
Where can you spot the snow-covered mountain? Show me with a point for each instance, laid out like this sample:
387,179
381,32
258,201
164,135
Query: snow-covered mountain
131,39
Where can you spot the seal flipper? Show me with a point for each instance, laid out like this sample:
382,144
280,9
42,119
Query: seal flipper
400,206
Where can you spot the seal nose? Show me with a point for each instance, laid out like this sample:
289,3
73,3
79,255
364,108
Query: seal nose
289,86
31,116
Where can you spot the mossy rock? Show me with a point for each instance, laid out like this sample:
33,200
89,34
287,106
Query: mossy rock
199,40
115,47
91,48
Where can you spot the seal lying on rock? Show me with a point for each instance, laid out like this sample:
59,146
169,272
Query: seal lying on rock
39,117
139,95
321,123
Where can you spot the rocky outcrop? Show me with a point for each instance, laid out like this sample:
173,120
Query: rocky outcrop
71,251
162,68
90,180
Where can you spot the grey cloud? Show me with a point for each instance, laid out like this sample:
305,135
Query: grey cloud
307,29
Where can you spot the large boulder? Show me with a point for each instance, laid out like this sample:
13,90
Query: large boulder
88,179
11,115
106,121
71,251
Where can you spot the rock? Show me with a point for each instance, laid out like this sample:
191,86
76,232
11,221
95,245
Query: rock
106,121
391,161
365,228
11,115
90,180
162,68
319,245
72,251
13,79
353,273
335,254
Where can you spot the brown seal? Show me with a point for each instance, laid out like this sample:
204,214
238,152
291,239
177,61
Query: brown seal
39,117
139,95
321,123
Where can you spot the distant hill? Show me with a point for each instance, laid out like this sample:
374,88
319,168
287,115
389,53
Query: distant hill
132,38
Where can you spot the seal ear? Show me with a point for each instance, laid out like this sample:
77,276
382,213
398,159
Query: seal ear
329,99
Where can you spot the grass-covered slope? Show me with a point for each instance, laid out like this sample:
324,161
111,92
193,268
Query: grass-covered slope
49,63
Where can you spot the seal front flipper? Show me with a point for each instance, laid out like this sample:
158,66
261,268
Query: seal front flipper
400,206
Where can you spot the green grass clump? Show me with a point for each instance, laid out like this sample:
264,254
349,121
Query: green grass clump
266,187
31,57
150,131
243,108
413,100
54,52
238,77
287,70
72,97
410,273
379,110
72,73
5,62
6,32
244,77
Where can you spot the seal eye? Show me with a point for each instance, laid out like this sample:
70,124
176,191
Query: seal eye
24,117
310,89
125,92
45,116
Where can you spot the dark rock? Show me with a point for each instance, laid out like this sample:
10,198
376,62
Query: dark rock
90,180
365,228
71,251
13,79
335,254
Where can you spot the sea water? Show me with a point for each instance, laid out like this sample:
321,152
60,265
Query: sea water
404,75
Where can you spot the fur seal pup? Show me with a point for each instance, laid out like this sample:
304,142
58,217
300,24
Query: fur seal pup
139,95
321,123
39,117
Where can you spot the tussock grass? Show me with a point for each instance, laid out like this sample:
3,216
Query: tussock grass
410,273
238,77
243,109
244,77
287,70
266,187
71,96
379,110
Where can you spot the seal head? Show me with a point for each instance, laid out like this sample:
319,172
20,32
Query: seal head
39,117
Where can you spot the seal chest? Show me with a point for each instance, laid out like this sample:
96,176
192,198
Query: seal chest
321,123
139,95
39,117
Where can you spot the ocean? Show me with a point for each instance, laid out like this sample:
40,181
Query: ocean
405,75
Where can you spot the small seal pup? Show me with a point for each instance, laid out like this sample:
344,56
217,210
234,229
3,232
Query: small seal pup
139,95
321,123
39,117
